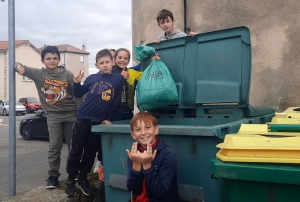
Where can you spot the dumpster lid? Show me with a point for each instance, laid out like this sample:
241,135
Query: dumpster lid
209,68
258,148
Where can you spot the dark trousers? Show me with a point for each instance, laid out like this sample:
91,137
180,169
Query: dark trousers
84,147
117,116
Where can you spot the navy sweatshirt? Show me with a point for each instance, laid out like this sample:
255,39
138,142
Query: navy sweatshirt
161,178
103,95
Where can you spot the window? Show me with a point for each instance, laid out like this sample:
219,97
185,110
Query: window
24,78
82,58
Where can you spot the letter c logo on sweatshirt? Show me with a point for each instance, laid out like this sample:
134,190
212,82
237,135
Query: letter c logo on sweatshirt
106,95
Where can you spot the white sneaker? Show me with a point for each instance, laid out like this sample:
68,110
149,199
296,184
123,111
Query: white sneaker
97,166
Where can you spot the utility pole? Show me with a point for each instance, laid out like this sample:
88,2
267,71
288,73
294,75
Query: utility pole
12,98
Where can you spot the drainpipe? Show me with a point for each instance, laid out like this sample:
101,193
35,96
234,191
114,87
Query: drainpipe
186,29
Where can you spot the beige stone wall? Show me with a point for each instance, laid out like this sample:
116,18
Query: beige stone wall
274,27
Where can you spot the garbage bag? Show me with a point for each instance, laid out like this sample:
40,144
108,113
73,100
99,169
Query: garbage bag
143,52
156,88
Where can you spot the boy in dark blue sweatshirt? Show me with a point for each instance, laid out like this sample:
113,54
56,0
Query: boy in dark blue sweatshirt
103,94
152,176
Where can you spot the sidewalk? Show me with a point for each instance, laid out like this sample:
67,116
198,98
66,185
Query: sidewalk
41,194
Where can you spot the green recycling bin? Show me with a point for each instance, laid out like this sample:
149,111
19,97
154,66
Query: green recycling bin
212,73
194,142
259,182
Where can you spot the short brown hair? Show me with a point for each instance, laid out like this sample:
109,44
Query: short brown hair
102,53
122,49
147,117
164,14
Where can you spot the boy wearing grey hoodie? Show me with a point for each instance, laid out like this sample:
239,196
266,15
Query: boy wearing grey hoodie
166,22
54,85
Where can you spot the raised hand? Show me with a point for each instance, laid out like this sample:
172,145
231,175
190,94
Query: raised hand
192,34
148,157
156,57
136,157
20,69
77,79
125,74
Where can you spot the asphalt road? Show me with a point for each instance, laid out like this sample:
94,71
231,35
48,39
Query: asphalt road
31,160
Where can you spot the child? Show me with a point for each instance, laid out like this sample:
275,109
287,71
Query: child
99,152
166,22
152,176
55,89
103,94
125,108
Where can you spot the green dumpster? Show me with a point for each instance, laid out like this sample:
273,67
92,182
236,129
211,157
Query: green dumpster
212,73
248,182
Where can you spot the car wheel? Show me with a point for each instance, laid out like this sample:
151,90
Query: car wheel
27,132
5,112
28,110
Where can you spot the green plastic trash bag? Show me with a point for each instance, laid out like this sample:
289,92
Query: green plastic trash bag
156,88
143,52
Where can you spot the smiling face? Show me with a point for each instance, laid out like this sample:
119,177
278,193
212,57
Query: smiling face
50,61
144,133
122,59
167,25
104,64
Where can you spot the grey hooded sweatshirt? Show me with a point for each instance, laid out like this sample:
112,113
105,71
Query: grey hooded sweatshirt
176,34
55,87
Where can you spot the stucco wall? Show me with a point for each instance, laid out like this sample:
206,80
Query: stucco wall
274,27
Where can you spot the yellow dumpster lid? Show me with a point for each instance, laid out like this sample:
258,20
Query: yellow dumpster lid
258,148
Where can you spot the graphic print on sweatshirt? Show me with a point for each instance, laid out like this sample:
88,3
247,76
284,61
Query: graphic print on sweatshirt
104,89
54,90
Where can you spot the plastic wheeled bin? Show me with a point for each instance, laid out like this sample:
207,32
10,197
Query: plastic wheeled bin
212,73
248,182
194,142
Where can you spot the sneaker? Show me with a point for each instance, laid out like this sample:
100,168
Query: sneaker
85,187
101,173
70,188
97,166
52,182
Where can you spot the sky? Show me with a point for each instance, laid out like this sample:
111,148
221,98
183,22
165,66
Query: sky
98,24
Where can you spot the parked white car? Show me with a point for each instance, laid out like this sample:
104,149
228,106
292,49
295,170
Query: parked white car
4,108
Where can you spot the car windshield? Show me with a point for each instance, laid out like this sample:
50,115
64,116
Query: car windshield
33,99
18,103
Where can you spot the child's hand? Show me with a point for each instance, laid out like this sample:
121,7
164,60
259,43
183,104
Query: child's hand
125,74
106,122
20,69
77,79
158,41
135,156
192,34
148,157
156,57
